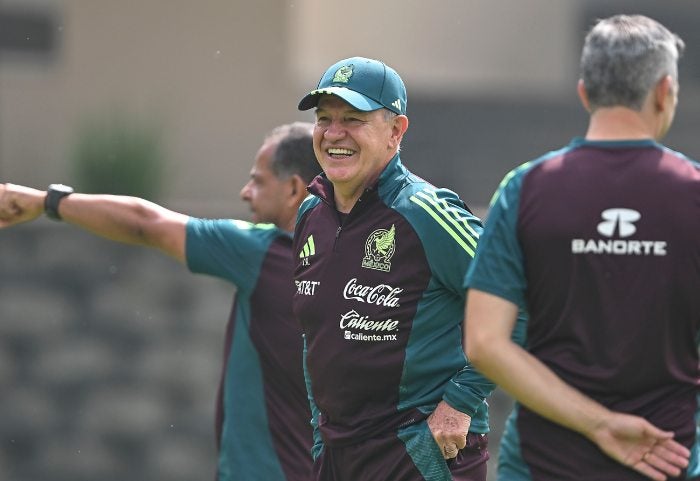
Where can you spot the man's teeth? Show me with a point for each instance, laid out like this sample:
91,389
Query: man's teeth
340,151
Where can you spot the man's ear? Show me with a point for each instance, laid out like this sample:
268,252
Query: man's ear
583,96
663,89
399,127
298,188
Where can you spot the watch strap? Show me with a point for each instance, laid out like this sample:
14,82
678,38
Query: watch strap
54,194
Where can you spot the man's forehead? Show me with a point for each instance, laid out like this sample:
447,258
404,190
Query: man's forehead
263,157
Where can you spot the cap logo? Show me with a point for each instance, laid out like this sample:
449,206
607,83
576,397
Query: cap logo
343,74
397,104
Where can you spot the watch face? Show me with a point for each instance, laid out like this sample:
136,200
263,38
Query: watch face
61,188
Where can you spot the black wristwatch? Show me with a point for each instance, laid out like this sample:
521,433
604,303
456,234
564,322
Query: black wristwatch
54,194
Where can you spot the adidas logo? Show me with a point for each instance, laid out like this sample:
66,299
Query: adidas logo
397,104
308,250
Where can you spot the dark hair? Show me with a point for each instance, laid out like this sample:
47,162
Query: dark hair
295,151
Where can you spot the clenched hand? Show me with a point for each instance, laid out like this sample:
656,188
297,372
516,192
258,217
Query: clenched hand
449,428
19,204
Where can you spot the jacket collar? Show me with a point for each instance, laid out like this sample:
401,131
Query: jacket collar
321,187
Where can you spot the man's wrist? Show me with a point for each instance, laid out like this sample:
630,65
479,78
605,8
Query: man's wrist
54,195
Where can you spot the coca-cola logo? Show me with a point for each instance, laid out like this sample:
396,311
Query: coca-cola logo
380,295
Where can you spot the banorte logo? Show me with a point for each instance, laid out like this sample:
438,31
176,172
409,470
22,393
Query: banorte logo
380,295
618,219
618,222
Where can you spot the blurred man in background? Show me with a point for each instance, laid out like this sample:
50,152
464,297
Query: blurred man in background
263,430
599,242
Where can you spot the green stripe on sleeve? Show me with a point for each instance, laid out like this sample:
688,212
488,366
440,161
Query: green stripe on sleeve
435,215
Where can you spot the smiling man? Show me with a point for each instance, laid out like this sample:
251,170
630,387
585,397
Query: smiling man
380,257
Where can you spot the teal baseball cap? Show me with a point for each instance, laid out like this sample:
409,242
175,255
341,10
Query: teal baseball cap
364,83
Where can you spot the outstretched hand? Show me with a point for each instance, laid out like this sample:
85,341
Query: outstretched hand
19,204
634,442
449,427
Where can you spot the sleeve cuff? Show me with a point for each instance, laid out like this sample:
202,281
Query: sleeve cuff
463,399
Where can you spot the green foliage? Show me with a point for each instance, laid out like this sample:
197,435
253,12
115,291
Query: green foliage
118,155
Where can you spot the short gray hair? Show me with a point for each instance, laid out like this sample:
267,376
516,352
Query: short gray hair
624,57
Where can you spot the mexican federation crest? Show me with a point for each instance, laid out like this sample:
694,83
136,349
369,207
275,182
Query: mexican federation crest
379,249
343,74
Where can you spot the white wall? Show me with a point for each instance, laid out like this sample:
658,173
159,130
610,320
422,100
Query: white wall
218,74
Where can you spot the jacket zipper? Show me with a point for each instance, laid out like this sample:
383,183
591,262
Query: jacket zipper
337,234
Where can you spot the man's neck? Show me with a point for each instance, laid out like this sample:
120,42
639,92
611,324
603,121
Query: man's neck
346,194
618,123
288,223
345,199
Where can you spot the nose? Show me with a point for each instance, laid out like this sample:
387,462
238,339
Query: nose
245,191
334,131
